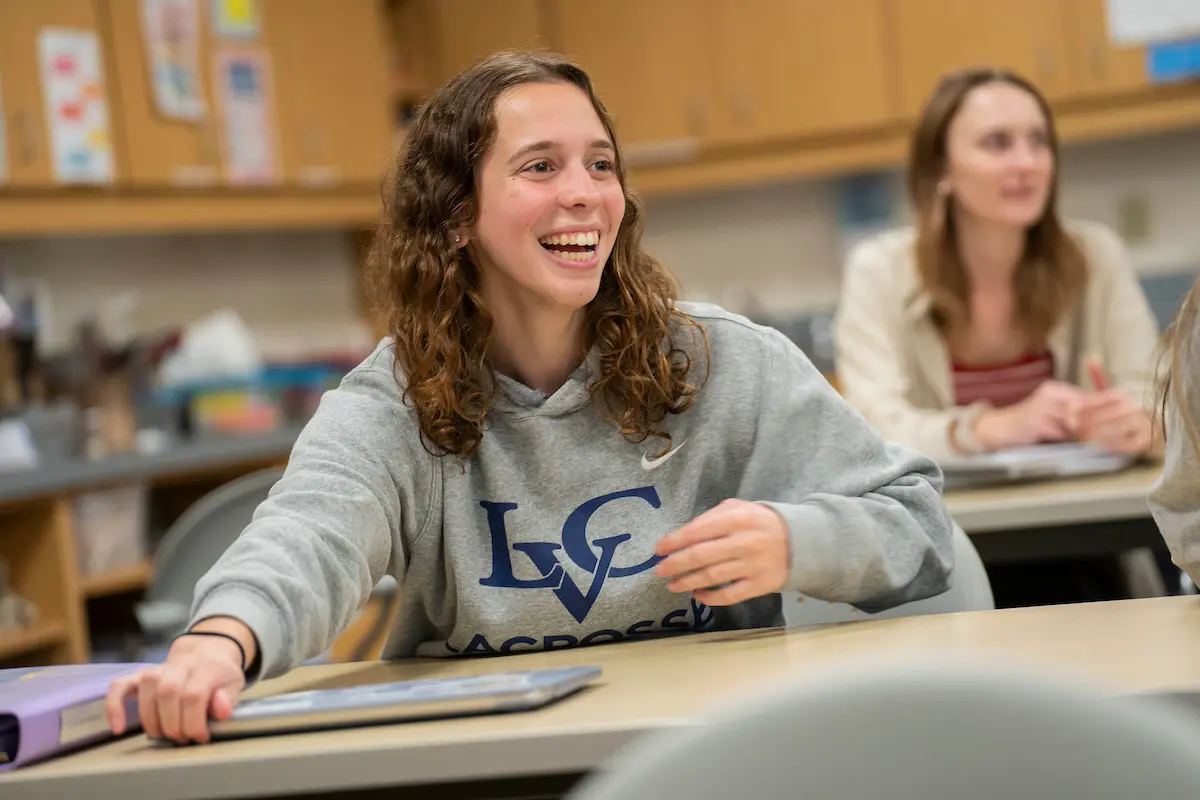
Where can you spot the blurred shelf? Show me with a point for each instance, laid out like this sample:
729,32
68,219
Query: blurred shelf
116,581
185,461
19,643
71,211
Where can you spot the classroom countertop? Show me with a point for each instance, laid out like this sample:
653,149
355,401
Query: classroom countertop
1118,647
210,452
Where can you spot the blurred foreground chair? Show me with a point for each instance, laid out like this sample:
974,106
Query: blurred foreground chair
195,542
914,733
970,590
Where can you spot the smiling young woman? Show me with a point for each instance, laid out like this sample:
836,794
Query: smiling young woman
492,456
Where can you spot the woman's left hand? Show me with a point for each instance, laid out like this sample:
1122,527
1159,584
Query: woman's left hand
1112,419
734,552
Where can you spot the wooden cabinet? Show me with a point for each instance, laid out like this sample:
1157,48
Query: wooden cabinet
333,94
30,156
39,557
159,150
651,64
1102,67
796,68
327,86
457,33
683,75
933,37
705,93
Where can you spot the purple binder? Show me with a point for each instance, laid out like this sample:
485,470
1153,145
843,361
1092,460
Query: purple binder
45,711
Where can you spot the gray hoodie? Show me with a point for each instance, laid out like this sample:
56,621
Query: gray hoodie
544,538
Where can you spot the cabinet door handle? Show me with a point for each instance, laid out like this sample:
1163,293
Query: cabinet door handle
28,145
1046,66
741,105
1099,59
210,148
314,143
697,115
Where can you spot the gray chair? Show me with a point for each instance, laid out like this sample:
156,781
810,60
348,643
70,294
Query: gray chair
192,546
970,590
930,732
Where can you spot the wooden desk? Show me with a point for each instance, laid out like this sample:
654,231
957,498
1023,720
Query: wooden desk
1070,517
1121,647
1070,501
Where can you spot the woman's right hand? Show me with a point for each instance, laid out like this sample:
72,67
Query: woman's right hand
202,678
1049,414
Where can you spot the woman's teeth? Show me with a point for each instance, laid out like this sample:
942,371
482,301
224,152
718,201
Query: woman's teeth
584,238
572,246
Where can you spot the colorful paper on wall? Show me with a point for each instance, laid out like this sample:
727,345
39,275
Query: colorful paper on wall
76,106
248,127
235,19
171,29
1137,22
1173,62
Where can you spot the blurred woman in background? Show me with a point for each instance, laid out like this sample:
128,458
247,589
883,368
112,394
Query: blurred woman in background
1175,497
991,323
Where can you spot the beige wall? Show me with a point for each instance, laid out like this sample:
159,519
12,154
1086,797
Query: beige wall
781,242
295,290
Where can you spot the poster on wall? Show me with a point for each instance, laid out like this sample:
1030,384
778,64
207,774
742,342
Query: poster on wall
76,106
171,30
1138,22
248,126
235,19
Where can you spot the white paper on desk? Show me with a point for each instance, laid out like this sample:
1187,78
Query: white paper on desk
1043,460
76,106
1135,22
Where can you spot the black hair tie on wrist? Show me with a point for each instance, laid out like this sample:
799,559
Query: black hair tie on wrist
219,635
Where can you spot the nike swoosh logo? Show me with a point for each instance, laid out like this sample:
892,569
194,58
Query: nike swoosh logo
649,464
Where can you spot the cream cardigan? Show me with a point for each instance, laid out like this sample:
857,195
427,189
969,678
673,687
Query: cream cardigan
894,366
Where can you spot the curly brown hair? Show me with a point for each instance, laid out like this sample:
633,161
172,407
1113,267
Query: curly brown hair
429,294
1050,277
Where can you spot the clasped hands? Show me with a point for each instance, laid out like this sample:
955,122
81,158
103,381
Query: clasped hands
1057,412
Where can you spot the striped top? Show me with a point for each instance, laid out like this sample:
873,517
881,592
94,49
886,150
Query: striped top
1001,384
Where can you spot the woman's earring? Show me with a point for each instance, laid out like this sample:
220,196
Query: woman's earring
942,202
457,238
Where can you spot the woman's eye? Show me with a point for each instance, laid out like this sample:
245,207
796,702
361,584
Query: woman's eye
539,166
604,165
996,141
